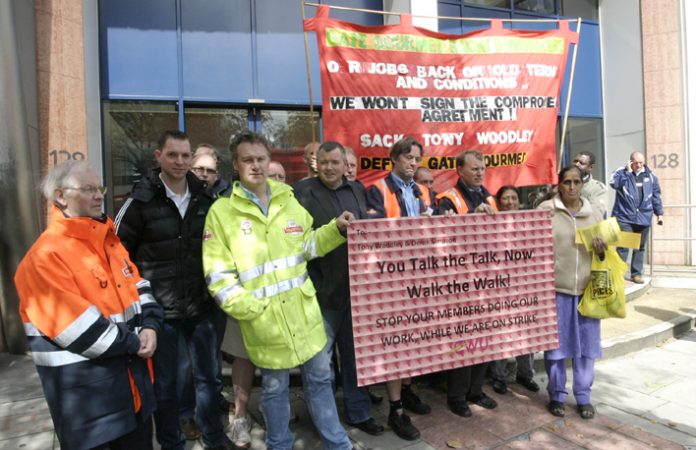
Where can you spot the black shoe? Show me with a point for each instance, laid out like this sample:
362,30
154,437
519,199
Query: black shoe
412,402
374,398
499,386
459,407
528,383
226,446
369,426
484,401
401,426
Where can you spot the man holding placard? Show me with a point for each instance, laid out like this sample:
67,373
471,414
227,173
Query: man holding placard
465,384
398,195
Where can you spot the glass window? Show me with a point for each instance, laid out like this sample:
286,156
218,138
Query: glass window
587,9
131,131
583,135
537,6
289,132
215,126
496,3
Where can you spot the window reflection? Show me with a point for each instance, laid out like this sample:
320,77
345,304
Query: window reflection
289,132
215,126
131,131
537,6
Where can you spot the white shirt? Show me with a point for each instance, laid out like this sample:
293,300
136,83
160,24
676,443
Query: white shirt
181,201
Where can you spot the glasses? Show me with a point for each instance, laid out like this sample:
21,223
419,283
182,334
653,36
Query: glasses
202,170
89,190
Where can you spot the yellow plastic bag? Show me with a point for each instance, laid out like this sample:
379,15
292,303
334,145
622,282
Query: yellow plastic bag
605,294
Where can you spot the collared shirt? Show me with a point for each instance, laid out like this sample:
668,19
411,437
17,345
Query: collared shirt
255,199
408,195
180,201
343,199
476,195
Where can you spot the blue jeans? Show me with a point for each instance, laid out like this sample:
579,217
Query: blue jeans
200,334
339,330
638,254
184,382
316,383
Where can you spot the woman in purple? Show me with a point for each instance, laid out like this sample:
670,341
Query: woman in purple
578,335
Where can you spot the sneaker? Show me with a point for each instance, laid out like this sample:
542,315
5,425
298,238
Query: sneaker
499,386
412,402
484,401
528,383
459,407
241,429
189,428
401,426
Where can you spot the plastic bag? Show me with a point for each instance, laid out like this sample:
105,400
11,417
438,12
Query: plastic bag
605,294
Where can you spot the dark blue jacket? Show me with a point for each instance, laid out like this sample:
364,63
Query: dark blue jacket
630,206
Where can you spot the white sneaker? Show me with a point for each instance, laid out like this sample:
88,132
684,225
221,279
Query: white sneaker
241,429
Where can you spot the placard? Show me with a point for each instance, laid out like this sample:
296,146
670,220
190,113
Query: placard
436,293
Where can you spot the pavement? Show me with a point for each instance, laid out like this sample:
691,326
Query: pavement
644,393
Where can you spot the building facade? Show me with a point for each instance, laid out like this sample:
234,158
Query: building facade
99,80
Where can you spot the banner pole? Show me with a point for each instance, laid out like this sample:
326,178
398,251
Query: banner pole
309,78
570,94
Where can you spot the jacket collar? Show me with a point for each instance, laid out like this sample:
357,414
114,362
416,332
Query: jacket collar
84,228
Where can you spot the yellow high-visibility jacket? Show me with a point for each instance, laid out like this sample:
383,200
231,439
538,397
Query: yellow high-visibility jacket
256,268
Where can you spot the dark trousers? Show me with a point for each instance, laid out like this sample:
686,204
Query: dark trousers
200,334
140,438
466,383
638,256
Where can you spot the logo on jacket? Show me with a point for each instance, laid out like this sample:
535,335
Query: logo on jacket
246,226
207,235
293,228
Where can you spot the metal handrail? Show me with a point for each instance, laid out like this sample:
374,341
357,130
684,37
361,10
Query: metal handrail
678,239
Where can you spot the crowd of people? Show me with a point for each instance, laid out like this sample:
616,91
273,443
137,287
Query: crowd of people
127,320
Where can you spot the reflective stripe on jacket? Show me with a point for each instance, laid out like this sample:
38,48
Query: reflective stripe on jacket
82,302
256,268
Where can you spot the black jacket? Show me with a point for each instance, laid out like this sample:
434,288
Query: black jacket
330,273
166,248
472,199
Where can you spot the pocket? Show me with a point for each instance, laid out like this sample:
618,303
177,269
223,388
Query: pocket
310,305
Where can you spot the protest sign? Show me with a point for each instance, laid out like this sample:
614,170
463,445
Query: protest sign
494,90
436,293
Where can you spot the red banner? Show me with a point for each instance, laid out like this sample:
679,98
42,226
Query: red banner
436,293
494,90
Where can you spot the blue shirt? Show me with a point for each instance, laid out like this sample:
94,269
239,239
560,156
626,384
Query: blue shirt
254,198
408,195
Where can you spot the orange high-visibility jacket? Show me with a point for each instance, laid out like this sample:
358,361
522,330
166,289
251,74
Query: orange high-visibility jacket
391,201
83,302
460,205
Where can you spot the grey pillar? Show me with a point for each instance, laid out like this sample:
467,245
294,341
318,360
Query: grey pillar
20,204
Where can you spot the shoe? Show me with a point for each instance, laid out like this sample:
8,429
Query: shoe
459,407
528,383
401,426
189,428
374,398
226,446
556,408
637,279
499,386
369,426
586,411
241,429
484,401
412,402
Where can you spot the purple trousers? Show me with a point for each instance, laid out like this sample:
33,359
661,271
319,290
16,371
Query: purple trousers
583,376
